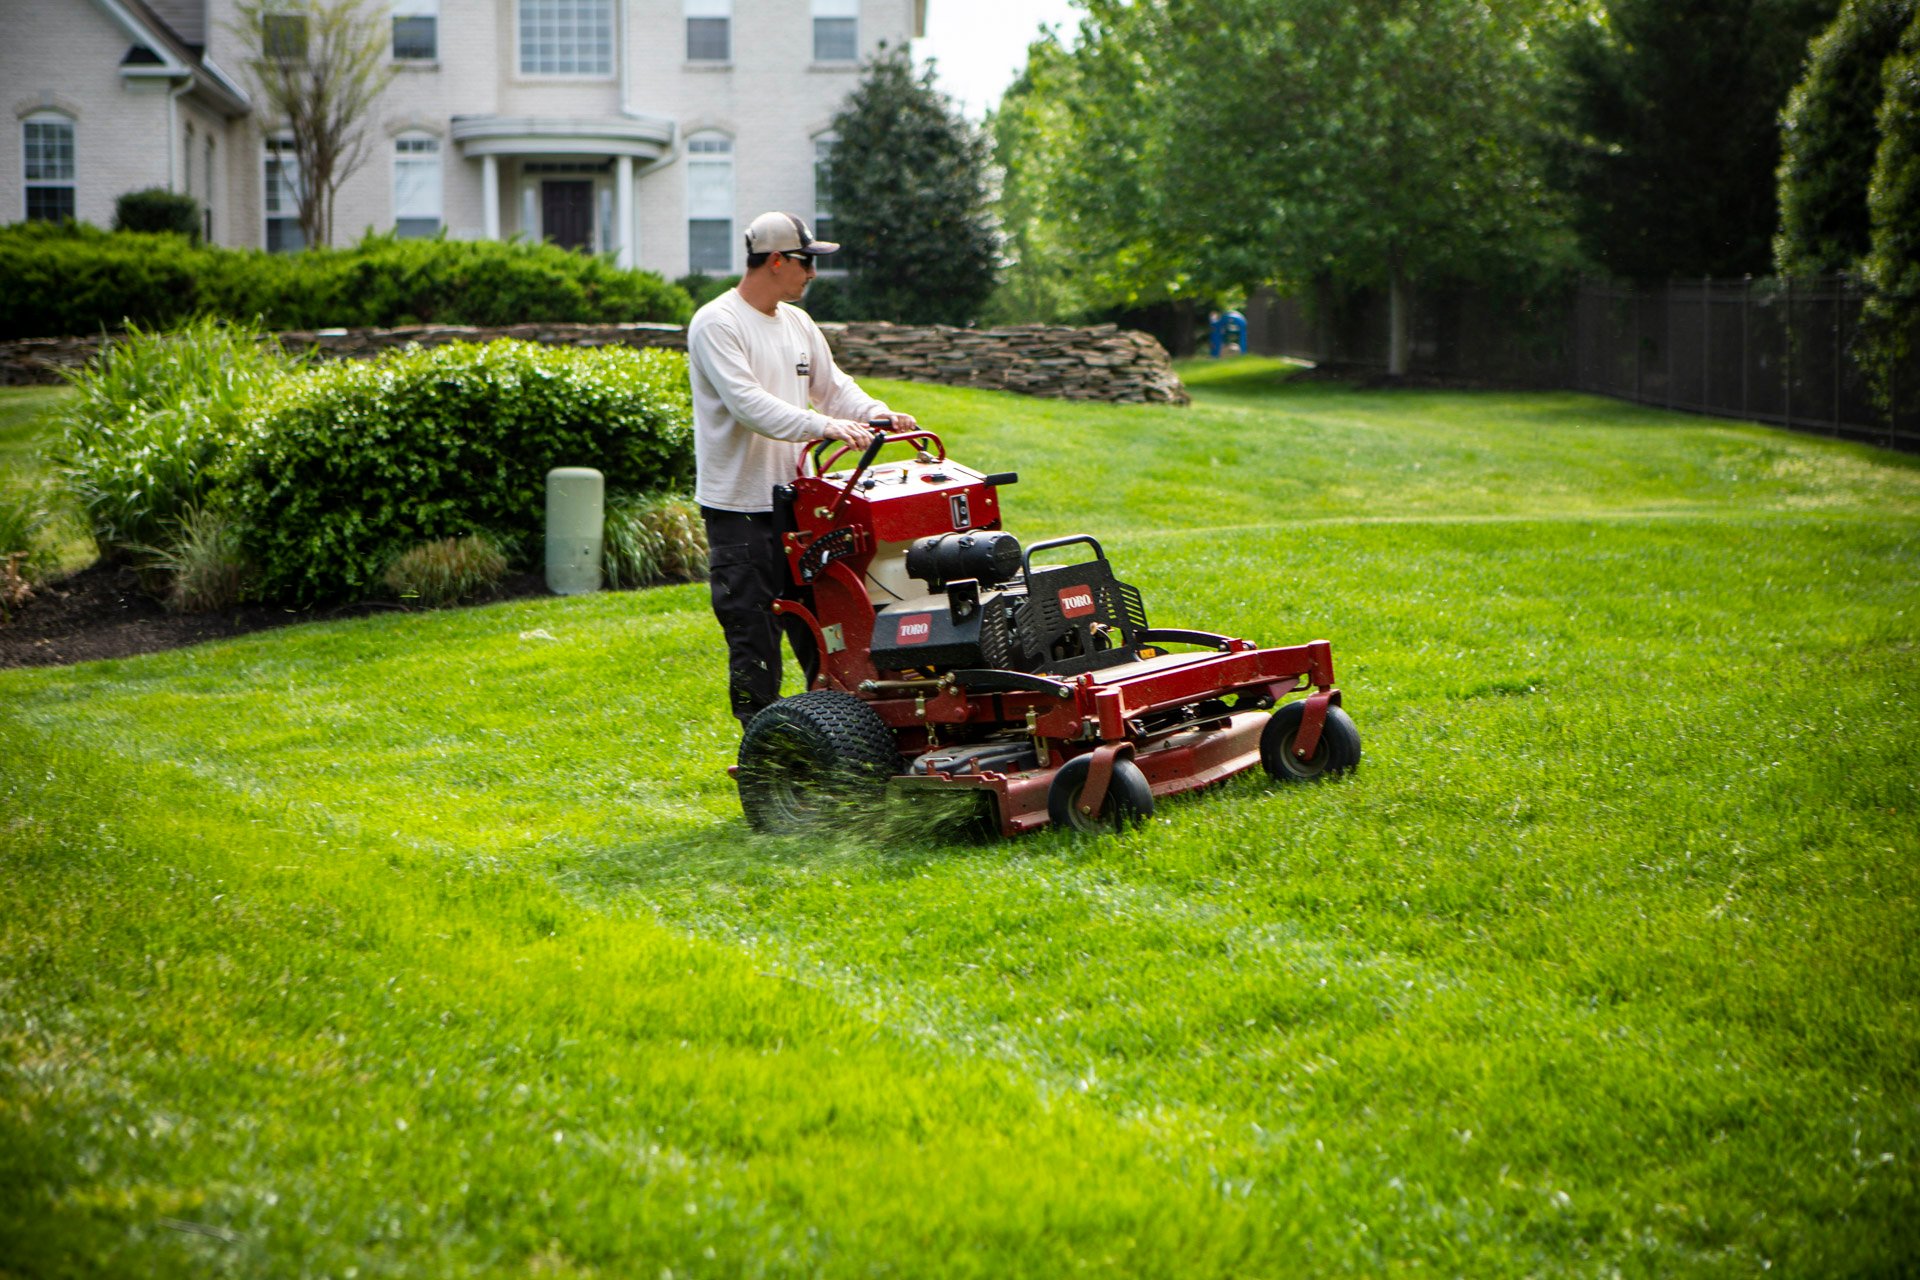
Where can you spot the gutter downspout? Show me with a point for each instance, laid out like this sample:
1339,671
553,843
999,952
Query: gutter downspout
173,129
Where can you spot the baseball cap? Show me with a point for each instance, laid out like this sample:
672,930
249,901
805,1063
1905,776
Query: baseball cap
784,233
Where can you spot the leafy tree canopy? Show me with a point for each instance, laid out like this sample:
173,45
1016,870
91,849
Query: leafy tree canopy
319,65
1892,266
910,199
1671,140
1192,148
1830,136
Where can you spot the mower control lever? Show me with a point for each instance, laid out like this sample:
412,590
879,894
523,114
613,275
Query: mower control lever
874,447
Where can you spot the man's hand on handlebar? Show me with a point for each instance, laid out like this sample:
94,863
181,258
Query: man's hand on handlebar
856,434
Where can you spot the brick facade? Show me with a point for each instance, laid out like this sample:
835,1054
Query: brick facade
771,100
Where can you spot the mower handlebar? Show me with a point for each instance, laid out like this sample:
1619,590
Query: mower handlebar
1026,561
812,463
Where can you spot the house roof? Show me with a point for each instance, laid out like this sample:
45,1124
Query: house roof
158,50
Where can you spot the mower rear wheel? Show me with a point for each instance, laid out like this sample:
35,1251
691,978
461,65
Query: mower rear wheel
1337,751
807,759
1129,799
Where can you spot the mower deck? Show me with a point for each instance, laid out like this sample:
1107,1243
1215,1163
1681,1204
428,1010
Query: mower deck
1109,707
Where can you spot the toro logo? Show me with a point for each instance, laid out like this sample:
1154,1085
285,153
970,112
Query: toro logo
915,629
1076,602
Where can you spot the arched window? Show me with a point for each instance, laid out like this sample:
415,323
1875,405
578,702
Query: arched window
47,145
709,30
710,203
416,185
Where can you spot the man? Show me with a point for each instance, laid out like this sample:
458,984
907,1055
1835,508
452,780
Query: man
765,387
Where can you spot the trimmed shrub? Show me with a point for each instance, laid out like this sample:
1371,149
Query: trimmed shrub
357,462
75,280
447,571
155,423
158,209
653,537
58,279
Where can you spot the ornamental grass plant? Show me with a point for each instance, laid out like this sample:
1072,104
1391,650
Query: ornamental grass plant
652,538
446,571
156,421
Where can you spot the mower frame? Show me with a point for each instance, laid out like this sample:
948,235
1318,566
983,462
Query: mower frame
1186,719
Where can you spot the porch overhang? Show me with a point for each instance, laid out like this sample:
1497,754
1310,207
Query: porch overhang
643,138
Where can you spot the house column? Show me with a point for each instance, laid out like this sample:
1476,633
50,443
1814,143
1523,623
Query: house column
490,196
623,211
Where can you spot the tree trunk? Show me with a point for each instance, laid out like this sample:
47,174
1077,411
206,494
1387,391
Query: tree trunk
1398,322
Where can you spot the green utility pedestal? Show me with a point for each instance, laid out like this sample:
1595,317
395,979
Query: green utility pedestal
576,522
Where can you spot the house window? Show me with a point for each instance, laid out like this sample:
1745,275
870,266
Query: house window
710,203
836,30
186,154
709,30
283,32
47,141
823,198
416,186
416,30
283,197
206,206
566,37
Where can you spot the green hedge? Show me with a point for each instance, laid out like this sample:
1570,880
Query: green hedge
355,463
59,279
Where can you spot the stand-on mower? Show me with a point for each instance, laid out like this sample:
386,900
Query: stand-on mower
950,659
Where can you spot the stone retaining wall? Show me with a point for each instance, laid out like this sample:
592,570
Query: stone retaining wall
1101,362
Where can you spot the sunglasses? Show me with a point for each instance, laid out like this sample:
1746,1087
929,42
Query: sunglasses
803,260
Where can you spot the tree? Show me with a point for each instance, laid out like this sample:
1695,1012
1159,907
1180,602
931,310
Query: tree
1671,127
1195,148
908,180
1829,139
319,65
1892,266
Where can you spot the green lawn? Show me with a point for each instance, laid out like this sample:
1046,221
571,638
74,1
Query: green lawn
24,428
27,431
434,945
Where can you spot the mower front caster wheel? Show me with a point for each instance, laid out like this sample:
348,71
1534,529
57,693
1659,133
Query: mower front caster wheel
812,760
1129,799
1337,751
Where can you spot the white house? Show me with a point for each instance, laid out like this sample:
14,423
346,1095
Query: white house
651,129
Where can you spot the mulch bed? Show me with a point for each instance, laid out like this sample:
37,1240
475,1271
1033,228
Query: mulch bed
102,612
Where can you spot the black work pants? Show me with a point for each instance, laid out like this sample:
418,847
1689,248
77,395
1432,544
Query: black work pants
747,573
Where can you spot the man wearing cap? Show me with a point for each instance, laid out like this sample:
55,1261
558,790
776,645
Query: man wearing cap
765,387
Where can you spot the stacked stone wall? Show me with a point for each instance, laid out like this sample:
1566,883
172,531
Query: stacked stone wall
1099,362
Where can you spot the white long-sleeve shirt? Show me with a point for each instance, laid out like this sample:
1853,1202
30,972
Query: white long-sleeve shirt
754,377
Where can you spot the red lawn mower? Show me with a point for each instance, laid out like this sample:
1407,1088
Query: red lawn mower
953,660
